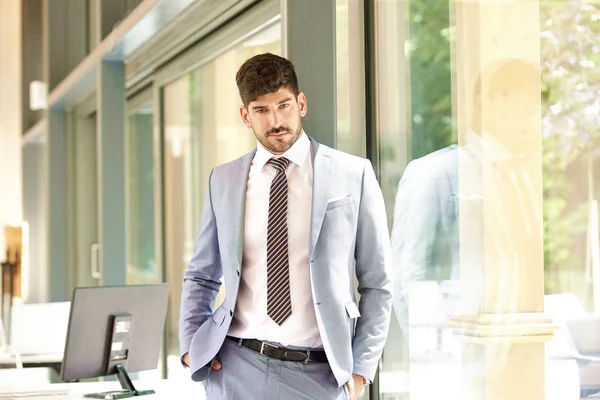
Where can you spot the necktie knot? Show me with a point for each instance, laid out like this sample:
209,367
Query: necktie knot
280,164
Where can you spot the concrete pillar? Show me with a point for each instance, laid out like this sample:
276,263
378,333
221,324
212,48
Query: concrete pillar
111,177
500,200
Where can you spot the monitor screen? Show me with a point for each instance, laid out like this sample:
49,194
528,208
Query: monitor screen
110,326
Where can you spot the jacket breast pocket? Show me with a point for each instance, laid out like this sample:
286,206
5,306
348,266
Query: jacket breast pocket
352,310
339,202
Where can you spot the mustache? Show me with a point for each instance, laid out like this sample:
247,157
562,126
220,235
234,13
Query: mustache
275,131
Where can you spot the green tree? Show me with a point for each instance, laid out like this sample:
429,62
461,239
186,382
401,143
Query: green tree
430,76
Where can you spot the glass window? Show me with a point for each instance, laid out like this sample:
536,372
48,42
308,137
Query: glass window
142,267
35,237
141,263
350,75
569,33
202,129
490,182
350,85
414,118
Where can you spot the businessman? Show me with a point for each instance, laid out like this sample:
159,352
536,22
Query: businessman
288,227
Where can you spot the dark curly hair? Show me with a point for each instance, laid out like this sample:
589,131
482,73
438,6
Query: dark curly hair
263,74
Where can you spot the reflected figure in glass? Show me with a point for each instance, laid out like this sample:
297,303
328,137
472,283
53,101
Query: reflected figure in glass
469,205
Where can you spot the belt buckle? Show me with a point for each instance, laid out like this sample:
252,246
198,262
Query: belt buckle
262,348
306,356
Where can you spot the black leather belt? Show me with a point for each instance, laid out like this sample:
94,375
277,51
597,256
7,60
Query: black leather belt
281,353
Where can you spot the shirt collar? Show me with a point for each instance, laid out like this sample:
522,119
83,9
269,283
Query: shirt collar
296,154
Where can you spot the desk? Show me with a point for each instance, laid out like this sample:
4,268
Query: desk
165,389
54,361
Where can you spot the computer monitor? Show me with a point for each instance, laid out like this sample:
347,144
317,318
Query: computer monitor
114,330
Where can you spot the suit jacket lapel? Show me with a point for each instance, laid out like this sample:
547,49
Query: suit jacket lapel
239,182
321,185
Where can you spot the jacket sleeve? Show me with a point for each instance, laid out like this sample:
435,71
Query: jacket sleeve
202,279
416,231
374,277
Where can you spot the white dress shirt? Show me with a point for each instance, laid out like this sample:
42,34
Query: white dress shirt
250,320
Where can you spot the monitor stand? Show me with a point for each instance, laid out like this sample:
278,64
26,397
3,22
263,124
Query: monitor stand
128,389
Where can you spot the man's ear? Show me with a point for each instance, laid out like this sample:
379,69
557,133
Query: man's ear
245,116
302,104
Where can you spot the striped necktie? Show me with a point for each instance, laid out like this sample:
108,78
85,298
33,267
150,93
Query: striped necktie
279,302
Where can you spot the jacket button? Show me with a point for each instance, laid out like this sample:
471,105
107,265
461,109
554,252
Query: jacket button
238,272
231,313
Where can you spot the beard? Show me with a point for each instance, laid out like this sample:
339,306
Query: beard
279,145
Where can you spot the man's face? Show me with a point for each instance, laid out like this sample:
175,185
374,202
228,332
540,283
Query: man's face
276,119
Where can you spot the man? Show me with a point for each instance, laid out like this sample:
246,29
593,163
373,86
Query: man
284,225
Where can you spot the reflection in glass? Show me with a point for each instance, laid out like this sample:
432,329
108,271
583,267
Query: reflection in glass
478,182
141,263
482,194
570,119
203,129
414,117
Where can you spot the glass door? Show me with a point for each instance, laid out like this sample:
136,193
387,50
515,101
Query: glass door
141,262
85,184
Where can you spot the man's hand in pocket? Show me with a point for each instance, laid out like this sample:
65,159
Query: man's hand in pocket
355,386
216,364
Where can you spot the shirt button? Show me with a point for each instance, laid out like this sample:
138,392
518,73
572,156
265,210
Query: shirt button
231,313
238,272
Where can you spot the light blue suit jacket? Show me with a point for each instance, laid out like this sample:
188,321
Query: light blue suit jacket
348,224
424,239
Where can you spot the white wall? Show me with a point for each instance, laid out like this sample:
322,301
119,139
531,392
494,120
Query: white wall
10,116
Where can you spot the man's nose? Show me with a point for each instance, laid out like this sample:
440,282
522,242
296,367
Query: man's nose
275,119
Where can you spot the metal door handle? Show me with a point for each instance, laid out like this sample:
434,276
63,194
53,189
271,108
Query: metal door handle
94,251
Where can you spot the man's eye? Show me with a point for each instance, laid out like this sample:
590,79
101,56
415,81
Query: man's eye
260,111
286,105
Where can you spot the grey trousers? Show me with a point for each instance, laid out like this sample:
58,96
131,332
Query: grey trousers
246,375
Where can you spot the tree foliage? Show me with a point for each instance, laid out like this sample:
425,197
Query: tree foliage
570,55
430,76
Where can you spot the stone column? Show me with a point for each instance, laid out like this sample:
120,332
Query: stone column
497,98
